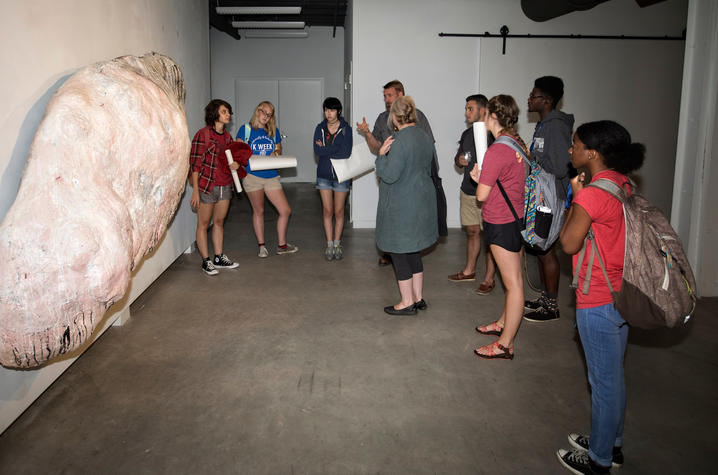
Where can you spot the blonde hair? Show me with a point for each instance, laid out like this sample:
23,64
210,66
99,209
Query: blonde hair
404,109
271,123
507,115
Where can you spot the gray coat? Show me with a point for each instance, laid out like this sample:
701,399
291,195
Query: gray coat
406,218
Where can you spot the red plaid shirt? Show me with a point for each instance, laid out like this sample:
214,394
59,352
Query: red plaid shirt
204,154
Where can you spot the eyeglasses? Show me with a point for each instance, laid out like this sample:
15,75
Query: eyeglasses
265,113
531,97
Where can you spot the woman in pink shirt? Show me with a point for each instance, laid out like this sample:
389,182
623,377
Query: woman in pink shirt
504,166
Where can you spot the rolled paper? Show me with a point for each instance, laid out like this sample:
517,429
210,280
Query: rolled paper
262,162
234,172
360,162
480,141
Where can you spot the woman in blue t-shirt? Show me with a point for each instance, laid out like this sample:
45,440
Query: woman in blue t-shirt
262,135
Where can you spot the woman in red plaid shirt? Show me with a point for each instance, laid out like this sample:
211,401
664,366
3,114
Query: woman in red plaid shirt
212,183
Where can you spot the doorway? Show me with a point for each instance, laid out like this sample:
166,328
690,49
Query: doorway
298,109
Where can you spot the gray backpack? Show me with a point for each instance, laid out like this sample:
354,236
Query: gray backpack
543,209
658,283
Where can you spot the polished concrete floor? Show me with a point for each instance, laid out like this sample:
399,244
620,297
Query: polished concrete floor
288,365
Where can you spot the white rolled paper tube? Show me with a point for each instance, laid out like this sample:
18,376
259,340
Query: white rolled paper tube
260,162
480,142
235,177
360,162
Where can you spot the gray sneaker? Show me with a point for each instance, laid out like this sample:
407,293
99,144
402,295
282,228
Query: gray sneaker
338,251
263,252
289,249
329,253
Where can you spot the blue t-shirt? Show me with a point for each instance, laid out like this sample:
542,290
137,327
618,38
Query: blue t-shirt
261,144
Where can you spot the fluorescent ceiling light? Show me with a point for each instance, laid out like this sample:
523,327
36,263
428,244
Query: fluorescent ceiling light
268,24
275,33
259,10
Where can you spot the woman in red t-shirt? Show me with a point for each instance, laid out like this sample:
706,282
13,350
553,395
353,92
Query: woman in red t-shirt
501,230
600,149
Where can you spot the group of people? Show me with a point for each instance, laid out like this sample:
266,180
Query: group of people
490,196
408,220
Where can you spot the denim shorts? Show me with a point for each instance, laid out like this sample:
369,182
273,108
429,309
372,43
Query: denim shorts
328,184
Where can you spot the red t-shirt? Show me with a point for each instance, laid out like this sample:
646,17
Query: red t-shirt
609,228
222,175
503,163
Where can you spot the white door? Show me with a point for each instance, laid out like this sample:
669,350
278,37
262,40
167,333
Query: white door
298,105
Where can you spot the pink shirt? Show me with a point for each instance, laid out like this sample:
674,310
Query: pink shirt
503,163
606,214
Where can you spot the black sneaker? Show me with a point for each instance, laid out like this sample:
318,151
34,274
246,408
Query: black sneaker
580,463
223,262
208,267
534,304
580,442
543,314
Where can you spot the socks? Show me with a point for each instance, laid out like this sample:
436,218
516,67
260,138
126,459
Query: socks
337,242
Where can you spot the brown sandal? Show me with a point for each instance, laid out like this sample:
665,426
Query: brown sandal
492,328
495,350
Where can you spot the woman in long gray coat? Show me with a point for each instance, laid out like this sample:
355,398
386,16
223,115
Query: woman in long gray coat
406,221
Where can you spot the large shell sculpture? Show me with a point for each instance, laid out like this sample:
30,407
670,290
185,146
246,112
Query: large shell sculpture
104,176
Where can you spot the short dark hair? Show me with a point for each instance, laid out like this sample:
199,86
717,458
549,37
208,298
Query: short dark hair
395,84
211,111
613,142
480,99
332,103
551,86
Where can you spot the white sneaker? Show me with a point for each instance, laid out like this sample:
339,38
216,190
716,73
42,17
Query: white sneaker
263,252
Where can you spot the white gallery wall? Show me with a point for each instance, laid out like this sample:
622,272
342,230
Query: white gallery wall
44,42
636,83
319,56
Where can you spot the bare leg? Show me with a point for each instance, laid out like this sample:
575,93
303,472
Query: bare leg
490,275
340,199
220,212
509,264
327,211
417,284
550,271
256,199
279,200
473,247
204,214
406,289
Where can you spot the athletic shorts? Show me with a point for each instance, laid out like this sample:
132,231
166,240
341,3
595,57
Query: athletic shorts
218,193
254,183
506,236
470,210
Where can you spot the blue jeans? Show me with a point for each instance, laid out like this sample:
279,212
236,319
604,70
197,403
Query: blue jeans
604,334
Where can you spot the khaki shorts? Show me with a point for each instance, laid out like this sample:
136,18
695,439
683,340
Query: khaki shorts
470,210
254,183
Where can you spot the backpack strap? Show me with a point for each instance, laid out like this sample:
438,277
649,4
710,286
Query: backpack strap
247,132
513,143
511,207
589,268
